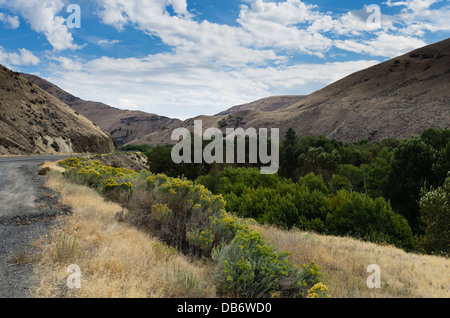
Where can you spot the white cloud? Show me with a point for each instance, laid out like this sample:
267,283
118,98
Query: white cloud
264,27
42,17
283,25
24,57
384,45
163,84
413,5
11,22
108,42
418,17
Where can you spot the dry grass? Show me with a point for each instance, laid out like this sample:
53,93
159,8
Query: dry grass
116,260
345,260
53,165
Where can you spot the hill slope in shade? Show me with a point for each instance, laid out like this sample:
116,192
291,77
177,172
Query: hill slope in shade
123,125
397,98
33,122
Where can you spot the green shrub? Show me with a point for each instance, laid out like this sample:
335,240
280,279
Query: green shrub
195,216
248,267
44,171
309,205
374,220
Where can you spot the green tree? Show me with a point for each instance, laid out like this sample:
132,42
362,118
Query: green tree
289,153
412,167
442,164
358,215
435,216
354,176
319,161
378,176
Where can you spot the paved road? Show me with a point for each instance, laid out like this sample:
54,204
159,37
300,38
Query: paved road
22,220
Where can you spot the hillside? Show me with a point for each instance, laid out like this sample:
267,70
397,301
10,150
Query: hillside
33,122
267,104
397,98
123,125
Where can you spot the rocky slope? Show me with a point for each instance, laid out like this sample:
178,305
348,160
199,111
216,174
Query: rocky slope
34,122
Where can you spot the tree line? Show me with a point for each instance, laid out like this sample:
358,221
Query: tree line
374,191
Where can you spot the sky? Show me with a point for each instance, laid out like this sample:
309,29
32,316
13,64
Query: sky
183,58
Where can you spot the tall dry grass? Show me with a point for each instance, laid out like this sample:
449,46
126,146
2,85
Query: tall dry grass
116,259
345,260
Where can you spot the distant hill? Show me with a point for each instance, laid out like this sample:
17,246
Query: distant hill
397,98
123,125
267,104
33,121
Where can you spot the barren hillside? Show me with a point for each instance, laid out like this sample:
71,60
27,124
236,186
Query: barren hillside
123,125
397,98
267,104
33,121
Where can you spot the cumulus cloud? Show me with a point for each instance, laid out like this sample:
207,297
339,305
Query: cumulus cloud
42,17
283,26
384,45
419,17
24,57
11,22
263,27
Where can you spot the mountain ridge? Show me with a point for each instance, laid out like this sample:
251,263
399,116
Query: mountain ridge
394,99
123,125
34,122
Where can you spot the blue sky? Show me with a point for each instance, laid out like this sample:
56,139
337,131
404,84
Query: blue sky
182,58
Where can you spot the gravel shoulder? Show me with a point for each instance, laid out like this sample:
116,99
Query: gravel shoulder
27,212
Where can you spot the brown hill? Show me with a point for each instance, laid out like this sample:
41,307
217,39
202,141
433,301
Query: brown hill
33,121
123,125
397,98
267,104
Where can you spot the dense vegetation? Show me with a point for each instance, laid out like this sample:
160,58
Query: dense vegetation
374,191
189,217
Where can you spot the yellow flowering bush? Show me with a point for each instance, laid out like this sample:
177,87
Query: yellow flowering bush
188,216
248,267
319,290
199,222
161,213
113,182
